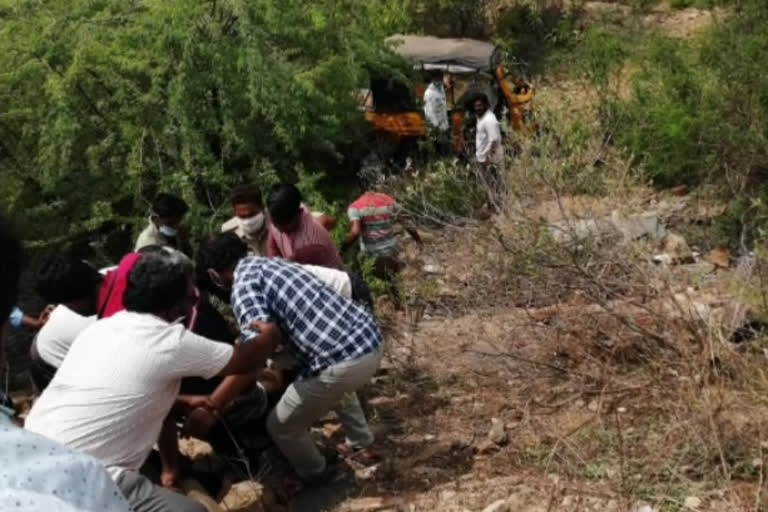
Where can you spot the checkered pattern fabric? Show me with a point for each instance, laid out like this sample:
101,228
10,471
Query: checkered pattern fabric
320,327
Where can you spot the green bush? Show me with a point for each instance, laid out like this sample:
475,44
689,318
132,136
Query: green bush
699,112
681,4
534,32
601,54
444,191
103,104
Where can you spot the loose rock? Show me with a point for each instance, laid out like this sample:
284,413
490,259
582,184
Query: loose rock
677,248
247,497
642,506
486,447
692,503
497,506
720,258
498,433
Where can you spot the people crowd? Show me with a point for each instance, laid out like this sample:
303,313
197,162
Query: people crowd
245,342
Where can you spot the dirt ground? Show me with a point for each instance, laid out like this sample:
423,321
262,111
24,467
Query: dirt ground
467,353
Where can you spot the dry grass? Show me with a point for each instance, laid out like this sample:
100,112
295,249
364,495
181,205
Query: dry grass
615,377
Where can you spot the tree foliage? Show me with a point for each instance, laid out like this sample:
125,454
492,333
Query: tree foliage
104,103
698,112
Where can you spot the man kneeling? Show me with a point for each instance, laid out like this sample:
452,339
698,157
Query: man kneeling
113,393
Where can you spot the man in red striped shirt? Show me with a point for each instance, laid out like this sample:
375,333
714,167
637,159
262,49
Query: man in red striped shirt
293,227
372,218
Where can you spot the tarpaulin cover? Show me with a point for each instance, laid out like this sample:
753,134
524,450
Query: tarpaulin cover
436,50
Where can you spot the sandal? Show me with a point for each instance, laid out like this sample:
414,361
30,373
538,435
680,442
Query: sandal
364,456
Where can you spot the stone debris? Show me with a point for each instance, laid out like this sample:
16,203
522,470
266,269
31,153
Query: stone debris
372,504
677,248
692,503
642,506
247,497
630,228
201,454
193,489
720,258
367,473
498,506
486,447
498,433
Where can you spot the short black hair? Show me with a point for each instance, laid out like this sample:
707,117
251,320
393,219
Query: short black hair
246,194
158,282
64,277
482,97
168,205
218,253
284,203
435,74
11,257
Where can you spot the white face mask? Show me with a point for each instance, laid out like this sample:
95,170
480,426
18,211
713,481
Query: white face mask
252,224
168,231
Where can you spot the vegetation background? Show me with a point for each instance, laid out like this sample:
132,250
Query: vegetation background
103,104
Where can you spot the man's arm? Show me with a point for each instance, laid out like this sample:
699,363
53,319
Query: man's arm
168,446
254,352
19,319
494,133
327,221
201,420
399,216
355,228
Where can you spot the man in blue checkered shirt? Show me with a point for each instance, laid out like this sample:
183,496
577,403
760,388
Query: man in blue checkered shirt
335,340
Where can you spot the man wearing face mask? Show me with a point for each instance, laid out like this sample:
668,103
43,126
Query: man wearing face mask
248,222
335,341
166,227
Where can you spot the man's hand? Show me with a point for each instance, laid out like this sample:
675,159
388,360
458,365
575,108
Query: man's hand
199,422
190,402
169,478
42,319
265,328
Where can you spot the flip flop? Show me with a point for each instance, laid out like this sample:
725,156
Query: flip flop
364,456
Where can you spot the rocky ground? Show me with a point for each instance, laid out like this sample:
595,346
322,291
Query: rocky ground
489,401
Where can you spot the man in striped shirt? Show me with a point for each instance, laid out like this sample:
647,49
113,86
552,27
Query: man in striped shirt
372,218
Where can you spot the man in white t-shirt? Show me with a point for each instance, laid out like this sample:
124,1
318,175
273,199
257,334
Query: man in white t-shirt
435,102
113,395
488,147
38,474
73,285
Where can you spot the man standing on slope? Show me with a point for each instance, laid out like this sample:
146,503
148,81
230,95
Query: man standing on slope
436,111
488,149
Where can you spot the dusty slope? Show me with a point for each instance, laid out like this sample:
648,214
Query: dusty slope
466,353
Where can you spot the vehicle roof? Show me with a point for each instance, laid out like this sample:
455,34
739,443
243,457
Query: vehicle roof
437,52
